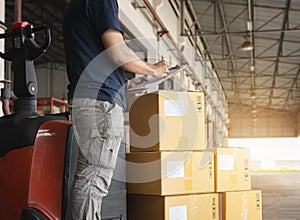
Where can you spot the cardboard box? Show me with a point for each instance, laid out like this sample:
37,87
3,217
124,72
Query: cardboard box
167,120
170,173
186,207
232,169
241,205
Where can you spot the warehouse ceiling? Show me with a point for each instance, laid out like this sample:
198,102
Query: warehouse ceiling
266,76
38,12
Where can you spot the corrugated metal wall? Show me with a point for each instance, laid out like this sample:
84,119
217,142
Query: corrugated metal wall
52,81
269,123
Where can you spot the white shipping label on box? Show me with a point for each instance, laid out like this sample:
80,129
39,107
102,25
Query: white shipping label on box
225,162
178,213
174,108
175,169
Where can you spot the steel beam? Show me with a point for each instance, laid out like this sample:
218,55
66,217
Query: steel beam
280,46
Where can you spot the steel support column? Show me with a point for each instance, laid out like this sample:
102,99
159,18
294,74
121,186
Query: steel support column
18,10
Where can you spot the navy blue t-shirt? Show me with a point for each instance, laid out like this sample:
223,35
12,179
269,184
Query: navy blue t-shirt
91,72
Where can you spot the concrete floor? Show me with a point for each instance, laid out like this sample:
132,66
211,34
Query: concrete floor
280,195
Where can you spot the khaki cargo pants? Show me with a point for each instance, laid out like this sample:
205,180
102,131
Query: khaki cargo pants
98,129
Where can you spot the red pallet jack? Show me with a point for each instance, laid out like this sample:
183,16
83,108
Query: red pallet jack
38,153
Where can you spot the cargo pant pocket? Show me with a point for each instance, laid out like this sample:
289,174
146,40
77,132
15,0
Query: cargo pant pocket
104,149
109,153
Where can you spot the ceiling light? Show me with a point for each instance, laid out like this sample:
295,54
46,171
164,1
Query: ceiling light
247,46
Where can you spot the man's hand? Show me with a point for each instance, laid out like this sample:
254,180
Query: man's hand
160,69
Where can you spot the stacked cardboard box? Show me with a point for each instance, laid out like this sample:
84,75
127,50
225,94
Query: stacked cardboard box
167,121
183,207
169,176
170,173
232,172
240,205
233,183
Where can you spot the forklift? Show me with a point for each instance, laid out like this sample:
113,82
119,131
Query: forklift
38,153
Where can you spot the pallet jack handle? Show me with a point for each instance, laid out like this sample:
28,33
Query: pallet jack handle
23,52
22,35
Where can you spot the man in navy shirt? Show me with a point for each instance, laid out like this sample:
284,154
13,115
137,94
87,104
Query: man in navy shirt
97,58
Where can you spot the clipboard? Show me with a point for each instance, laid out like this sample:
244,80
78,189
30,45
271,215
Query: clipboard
142,87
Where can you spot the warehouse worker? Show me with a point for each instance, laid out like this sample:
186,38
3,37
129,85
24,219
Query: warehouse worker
92,31
5,106
7,98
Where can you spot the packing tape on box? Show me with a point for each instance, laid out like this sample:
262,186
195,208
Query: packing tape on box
244,210
188,166
188,183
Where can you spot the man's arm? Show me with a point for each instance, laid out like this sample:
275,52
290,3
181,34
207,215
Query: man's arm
122,55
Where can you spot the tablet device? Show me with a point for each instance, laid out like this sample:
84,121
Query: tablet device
156,81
